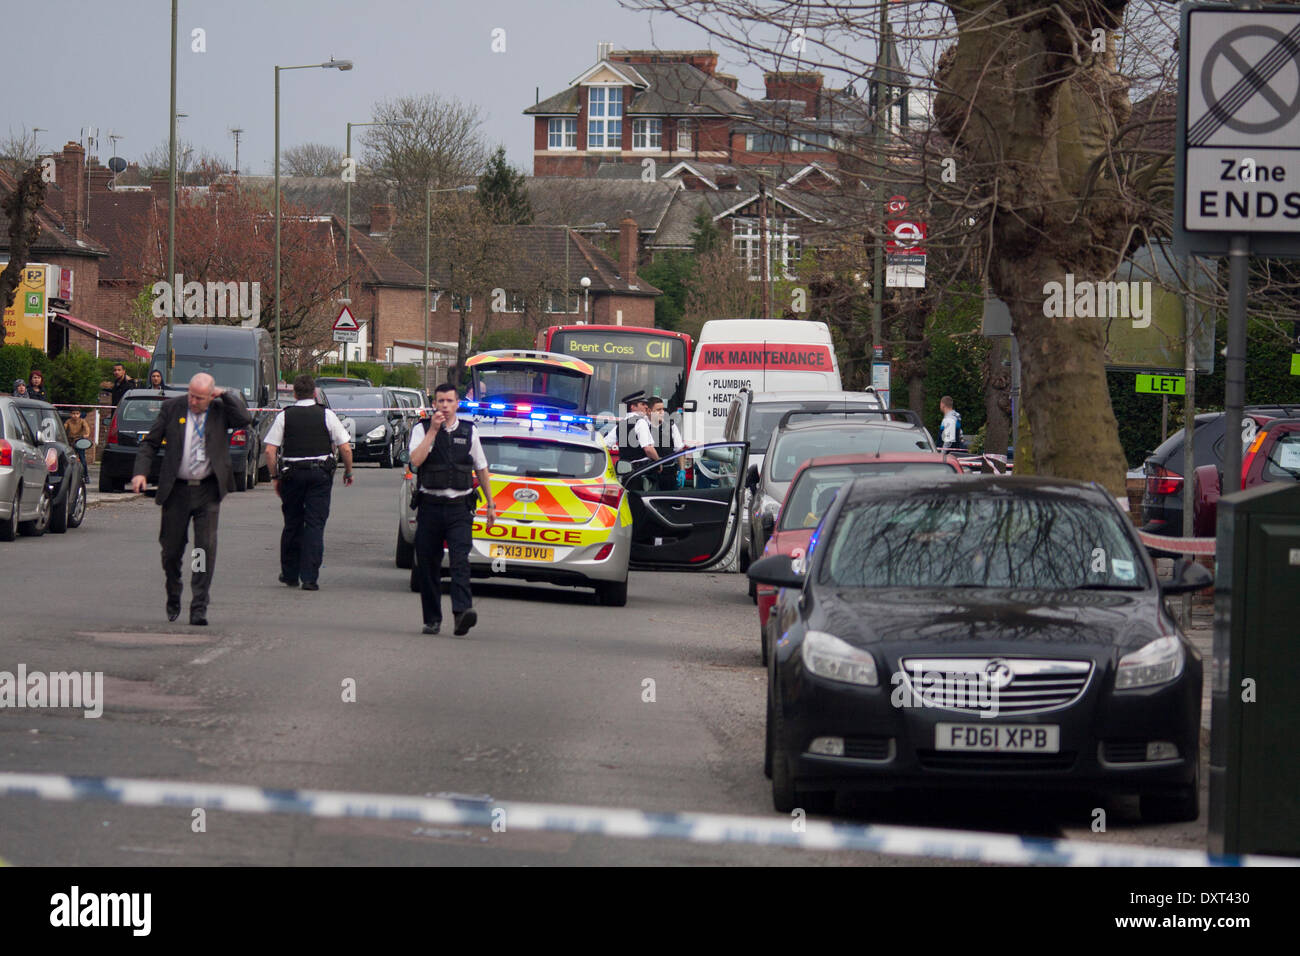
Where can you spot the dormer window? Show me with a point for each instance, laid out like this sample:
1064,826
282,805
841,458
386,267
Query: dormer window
605,117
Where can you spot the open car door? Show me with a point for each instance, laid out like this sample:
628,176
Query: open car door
685,508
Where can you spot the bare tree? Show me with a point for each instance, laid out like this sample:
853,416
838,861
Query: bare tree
311,159
720,288
18,151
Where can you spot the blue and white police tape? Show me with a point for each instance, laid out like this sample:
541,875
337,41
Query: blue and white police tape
713,828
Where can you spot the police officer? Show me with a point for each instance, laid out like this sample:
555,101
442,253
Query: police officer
637,445
444,459
302,441
667,442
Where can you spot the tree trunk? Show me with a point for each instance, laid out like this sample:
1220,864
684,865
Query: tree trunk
997,396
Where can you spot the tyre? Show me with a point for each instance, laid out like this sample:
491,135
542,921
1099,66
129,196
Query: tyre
40,524
405,552
252,476
753,591
783,795
387,461
59,515
762,635
1180,806
77,510
108,483
9,526
767,741
612,593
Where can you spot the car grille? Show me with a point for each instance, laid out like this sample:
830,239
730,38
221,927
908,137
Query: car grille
970,684
994,763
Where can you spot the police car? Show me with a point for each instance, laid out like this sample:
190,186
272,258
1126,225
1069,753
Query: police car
566,514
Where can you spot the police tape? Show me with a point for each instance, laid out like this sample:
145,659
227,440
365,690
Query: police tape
1159,542
711,828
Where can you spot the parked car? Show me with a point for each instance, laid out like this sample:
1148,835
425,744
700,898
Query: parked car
67,482
24,492
1162,498
981,632
331,382
382,428
1273,455
811,492
285,398
134,417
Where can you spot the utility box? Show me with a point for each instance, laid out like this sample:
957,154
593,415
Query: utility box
1255,675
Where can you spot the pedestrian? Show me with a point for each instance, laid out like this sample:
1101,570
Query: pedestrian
444,458
120,384
36,385
196,474
667,441
950,434
20,388
156,380
308,434
77,427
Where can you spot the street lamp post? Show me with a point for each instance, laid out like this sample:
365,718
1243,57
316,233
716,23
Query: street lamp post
427,233
585,282
332,64
347,224
602,226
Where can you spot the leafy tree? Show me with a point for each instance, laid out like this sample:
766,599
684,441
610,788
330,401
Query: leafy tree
671,273
501,192
707,237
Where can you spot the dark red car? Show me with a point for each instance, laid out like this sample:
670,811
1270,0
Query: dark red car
813,489
1272,455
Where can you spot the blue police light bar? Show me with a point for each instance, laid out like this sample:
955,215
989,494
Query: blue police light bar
536,413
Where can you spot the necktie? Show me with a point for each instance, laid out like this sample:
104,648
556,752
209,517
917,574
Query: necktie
197,452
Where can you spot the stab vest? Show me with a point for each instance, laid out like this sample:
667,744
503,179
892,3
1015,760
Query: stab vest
663,436
305,434
629,450
449,466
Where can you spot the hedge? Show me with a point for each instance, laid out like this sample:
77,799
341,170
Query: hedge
71,378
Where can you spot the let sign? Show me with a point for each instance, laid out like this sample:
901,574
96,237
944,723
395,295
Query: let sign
1162,384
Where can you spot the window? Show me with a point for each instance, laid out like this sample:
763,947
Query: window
799,142
784,247
456,303
555,302
605,117
562,134
684,128
647,134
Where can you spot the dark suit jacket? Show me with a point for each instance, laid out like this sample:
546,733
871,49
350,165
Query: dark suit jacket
168,434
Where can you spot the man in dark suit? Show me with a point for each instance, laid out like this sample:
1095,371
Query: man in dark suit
195,475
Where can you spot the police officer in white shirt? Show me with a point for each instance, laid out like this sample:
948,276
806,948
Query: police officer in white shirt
302,440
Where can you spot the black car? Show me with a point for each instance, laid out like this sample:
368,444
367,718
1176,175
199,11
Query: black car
67,482
134,417
382,428
1162,495
980,632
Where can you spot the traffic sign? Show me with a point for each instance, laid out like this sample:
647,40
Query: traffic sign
896,204
1295,364
346,328
1238,139
1161,385
908,236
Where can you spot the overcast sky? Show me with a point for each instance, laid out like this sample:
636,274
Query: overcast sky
106,64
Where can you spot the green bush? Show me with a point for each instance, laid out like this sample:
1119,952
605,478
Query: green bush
17,361
71,378
505,339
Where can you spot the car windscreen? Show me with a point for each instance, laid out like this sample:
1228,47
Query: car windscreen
358,402
138,413
963,540
239,374
537,384
45,425
815,489
797,446
1283,462
532,458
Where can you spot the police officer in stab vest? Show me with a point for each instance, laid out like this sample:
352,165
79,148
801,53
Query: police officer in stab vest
635,438
445,461
301,442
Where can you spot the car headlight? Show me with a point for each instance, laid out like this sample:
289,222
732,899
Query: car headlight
1156,663
377,432
827,656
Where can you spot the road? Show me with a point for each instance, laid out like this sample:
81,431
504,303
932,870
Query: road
543,702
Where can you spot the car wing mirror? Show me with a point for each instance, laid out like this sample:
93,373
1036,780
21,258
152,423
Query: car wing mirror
1188,576
777,570
623,468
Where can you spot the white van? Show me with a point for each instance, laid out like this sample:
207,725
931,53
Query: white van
762,355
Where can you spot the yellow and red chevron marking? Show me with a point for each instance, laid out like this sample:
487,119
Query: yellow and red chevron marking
555,502
572,364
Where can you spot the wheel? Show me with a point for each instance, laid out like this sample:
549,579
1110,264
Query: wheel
9,527
252,477
762,634
387,461
77,510
241,481
1181,806
783,795
612,593
107,483
37,526
405,552
767,741
746,561
753,590
59,514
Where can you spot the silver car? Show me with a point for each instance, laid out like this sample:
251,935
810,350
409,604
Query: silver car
24,497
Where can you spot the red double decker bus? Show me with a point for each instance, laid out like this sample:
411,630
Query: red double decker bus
626,359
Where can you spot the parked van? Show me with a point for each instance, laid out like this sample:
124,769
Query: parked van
762,355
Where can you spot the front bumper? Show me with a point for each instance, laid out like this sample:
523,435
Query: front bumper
574,563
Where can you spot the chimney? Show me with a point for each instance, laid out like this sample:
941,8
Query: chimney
727,80
803,87
627,247
382,216
70,174
99,179
603,50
